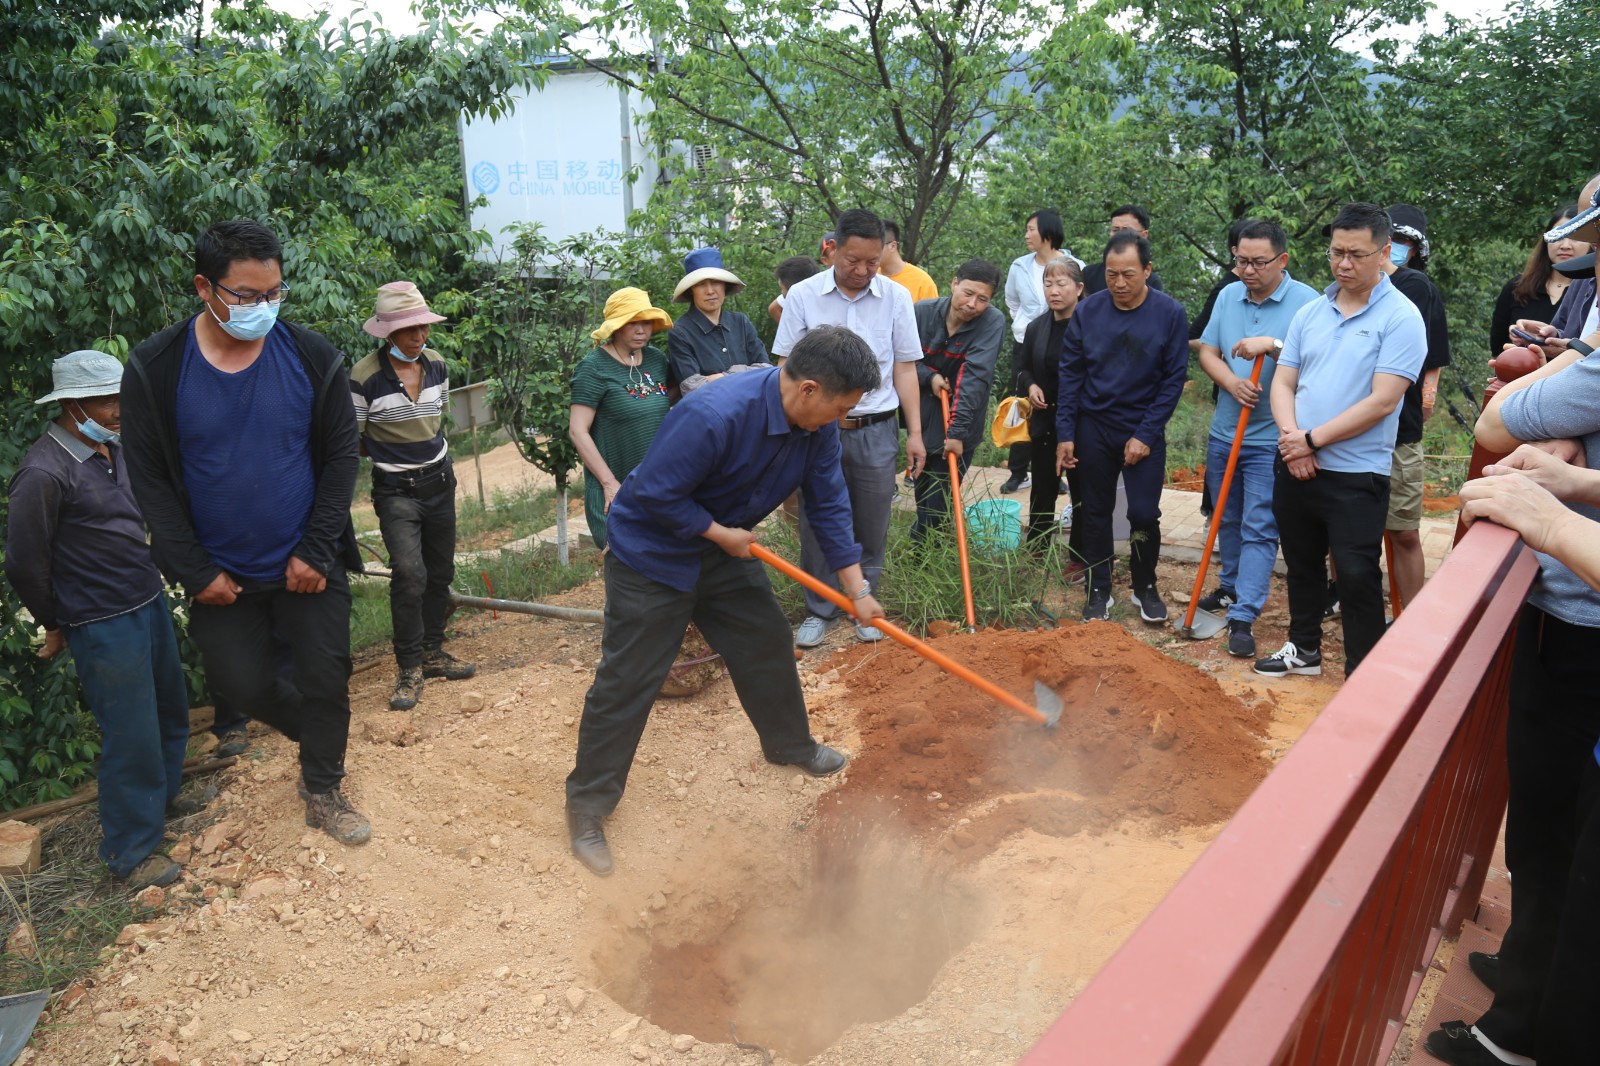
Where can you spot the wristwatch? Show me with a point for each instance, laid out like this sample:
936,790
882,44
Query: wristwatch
1583,350
1277,347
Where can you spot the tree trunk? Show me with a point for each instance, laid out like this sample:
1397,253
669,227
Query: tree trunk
562,555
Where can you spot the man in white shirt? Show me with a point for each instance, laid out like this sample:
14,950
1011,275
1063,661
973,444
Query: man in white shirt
851,294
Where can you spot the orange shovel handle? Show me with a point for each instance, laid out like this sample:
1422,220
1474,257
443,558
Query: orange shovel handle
1219,504
950,666
961,517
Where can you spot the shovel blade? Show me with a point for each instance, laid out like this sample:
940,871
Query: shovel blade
1047,703
1206,625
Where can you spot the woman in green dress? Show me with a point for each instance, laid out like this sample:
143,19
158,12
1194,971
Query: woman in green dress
619,397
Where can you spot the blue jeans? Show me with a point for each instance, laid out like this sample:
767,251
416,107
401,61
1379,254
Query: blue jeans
1247,540
133,682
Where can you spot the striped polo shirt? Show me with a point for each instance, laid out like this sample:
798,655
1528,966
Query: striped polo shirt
401,434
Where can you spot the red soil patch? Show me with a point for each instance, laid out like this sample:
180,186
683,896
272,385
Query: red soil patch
1141,735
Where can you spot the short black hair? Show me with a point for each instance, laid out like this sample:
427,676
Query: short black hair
892,230
859,222
1264,231
222,244
835,358
1048,223
1125,239
795,269
1235,231
980,270
1136,211
1369,217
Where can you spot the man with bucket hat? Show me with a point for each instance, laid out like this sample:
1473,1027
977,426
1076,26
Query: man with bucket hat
242,443
76,554
709,340
400,392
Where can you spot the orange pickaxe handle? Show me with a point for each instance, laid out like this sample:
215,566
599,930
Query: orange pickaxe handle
950,666
961,516
1221,502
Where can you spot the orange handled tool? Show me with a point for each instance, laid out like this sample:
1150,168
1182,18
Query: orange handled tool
961,516
1047,713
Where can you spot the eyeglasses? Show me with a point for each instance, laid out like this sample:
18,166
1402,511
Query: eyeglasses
275,296
1255,264
1356,258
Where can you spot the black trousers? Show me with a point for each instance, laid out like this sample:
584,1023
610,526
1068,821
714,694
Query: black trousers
1550,739
1046,490
1566,1028
735,610
1340,514
242,666
1099,454
1018,460
931,490
419,530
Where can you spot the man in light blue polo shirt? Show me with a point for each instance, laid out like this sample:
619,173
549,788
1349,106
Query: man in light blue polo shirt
1250,318
853,295
1345,366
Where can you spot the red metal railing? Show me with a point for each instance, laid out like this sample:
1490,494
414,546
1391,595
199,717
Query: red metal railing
1301,934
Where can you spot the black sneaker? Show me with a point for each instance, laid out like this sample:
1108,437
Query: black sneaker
1456,1043
1331,606
1012,484
440,663
1152,608
1241,642
1486,968
1218,600
1098,609
1290,660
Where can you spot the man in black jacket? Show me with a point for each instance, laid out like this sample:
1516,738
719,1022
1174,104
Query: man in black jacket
241,442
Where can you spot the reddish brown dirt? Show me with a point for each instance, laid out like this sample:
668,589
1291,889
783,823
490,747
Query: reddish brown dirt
1142,735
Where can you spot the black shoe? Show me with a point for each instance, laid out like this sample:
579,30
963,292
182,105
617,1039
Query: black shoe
193,803
1098,609
824,762
1241,642
1013,483
1152,608
1290,660
407,690
1331,605
1486,968
1218,600
589,842
233,742
440,663
1455,1043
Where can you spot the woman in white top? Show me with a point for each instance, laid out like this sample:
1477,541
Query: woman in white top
1025,300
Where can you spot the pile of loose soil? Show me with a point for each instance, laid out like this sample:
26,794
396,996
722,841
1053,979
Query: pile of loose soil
1142,736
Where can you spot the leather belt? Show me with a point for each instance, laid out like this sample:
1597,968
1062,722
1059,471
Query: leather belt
410,479
867,420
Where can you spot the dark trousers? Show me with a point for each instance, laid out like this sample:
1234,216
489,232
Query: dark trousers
1045,491
133,683
735,610
236,642
1550,739
420,533
1099,454
1566,1026
228,718
1343,515
931,490
1019,460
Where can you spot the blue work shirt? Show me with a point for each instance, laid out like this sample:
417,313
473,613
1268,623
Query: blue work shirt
1234,317
1337,356
727,455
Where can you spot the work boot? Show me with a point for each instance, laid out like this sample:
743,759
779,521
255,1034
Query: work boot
193,803
233,742
589,846
440,663
332,813
407,690
156,869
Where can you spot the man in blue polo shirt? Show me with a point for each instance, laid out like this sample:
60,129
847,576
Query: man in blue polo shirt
680,531
1345,367
1250,318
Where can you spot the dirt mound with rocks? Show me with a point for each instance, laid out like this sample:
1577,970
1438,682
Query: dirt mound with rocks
1142,735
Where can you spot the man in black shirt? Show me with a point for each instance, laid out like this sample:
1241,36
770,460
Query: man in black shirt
1129,218
76,554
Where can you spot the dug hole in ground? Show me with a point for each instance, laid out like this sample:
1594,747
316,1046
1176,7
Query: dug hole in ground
939,902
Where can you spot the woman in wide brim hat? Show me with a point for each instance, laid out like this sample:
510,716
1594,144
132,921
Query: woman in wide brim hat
619,397
710,340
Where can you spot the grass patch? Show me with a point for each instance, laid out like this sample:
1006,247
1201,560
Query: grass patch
511,515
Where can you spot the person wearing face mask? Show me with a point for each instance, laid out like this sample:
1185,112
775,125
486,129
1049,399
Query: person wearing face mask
400,392
77,557
242,444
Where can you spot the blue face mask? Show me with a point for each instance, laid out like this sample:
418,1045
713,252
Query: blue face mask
93,430
402,356
248,322
1399,253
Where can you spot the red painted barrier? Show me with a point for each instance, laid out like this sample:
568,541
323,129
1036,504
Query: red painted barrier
1302,933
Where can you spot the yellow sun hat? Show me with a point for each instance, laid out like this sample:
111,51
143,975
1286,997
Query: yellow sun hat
629,305
1010,425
